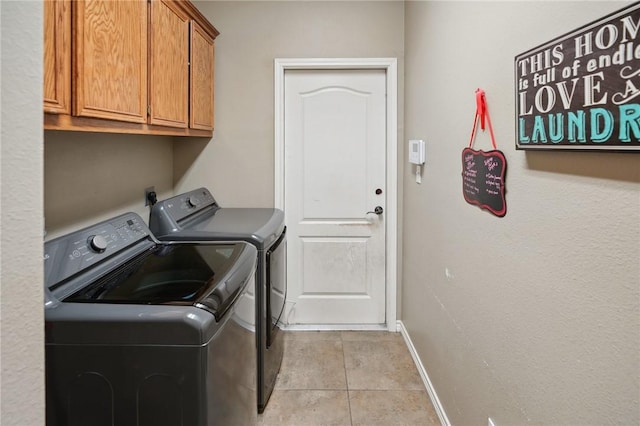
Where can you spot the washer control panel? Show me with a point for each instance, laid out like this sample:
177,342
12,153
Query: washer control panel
75,252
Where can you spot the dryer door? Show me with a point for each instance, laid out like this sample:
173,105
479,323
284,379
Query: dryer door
276,261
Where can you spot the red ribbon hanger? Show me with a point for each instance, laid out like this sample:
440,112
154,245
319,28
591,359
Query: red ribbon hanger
481,112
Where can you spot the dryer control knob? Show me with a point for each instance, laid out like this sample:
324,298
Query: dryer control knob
193,201
97,243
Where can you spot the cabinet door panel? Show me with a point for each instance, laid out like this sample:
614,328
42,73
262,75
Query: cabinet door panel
57,56
201,115
169,70
111,60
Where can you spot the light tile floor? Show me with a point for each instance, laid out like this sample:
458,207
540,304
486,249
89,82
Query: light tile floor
347,378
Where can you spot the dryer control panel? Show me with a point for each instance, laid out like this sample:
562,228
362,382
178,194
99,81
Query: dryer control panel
80,250
184,205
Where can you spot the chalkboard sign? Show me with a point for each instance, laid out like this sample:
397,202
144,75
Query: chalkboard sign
483,180
581,90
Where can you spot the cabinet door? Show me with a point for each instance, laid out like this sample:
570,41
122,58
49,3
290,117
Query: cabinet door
57,56
169,70
111,60
201,115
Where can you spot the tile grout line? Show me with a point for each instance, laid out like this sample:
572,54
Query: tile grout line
366,387
346,379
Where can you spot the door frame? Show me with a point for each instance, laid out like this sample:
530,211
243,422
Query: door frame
390,66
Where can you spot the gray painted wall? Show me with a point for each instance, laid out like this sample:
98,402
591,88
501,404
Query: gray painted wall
89,177
554,339
539,320
21,313
238,166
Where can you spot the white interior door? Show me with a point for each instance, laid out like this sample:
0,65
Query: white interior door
335,150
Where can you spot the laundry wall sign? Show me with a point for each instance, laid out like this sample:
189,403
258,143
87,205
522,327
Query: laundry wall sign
582,90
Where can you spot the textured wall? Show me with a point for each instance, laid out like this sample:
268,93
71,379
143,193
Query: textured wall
239,165
90,177
538,320
21,316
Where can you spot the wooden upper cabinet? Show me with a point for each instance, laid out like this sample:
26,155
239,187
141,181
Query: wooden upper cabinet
110,42
57,56
169,65
202,49
128,66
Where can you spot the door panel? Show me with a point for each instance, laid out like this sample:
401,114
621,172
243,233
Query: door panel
57,57
169,70
111,60
335,141
201,79
345,275
327,131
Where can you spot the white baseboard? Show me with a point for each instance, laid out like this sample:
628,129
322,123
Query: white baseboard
334,327
425,377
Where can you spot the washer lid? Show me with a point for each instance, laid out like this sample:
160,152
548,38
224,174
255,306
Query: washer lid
209,276
180,294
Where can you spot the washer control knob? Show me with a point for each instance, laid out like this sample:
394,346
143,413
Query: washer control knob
193,201
97,243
